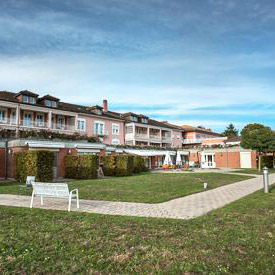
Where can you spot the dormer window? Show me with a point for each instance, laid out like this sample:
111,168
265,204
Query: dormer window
28,99
98,111
50,103
133,118
144,120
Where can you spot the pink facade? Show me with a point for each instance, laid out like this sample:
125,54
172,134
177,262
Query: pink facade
110,130
176,139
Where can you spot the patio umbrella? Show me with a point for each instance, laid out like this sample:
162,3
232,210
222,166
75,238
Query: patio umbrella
167,159
178,159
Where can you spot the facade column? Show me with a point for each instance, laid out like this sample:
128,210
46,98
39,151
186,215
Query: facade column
148,135
134,134
75,123
50,115
17,120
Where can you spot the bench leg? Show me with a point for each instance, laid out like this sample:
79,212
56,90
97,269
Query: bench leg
77,201
32,199
41,200
70,201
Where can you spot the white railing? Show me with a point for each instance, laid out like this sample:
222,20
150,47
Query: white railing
166,138
8,121
33,123
141,136
63,127
200,140
155,137
101,133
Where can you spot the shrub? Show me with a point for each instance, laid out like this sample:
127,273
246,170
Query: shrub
34,163
109,165
81,167
267,161
124,165
139,164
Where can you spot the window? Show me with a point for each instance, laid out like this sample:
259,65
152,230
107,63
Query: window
27,119
50,103
115,129
115,141
13,117
60,122
133,118
144,120
99,128
39,120
81,125
28,99
2,115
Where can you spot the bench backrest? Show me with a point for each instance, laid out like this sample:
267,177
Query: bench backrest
30,180
56,190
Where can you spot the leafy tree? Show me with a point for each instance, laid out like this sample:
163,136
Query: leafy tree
258,137
231,131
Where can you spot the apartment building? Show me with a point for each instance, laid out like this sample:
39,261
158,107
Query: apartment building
27,111
143,131
194,136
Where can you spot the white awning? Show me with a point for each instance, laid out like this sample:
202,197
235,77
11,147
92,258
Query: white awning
41,144
88,151
183,153
148,153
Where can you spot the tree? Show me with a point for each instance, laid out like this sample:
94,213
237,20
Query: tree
231,131
258,137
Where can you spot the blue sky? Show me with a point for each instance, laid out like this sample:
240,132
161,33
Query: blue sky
199,62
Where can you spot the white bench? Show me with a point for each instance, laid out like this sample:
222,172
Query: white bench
54,190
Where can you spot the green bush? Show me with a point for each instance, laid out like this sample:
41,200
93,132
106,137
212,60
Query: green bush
124,165
34,163
267,161
139,164
109,165
81,167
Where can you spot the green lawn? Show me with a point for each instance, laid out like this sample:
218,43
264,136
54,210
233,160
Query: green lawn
252,171
237,239
146,188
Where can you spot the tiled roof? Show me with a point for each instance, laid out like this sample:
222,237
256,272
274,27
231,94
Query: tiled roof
9,96
188,128
49,97
26,92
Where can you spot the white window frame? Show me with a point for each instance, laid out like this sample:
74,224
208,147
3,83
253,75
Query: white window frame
60,126
84,124
40,123
54,104
29,124
115,127
4,120
103,128
28,99
115,141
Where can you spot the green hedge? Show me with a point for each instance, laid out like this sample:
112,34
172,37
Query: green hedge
108,165
139,164
34,163
81,167
267,161
124,165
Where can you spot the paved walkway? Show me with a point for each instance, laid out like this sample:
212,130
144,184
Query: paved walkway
182,208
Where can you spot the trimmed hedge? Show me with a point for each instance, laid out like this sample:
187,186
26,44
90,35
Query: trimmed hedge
34,163
124,165
267,161
109,165
81,167
139,164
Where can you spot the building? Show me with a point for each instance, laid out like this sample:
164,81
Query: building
143,131
194,136
25,111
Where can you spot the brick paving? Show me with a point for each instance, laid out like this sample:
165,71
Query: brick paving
182,208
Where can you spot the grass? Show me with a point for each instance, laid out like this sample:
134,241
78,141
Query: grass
237,239
251,171
146,188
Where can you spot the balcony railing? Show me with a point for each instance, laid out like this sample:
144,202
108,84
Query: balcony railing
166,138
8,121
63,127
33,123
155,137
191,141
141,136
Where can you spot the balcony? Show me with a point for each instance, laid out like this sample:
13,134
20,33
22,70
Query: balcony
191,141
166,139
101,133
155,138
63,127
33,123
8,121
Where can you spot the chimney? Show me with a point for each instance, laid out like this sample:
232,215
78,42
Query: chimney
105,105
